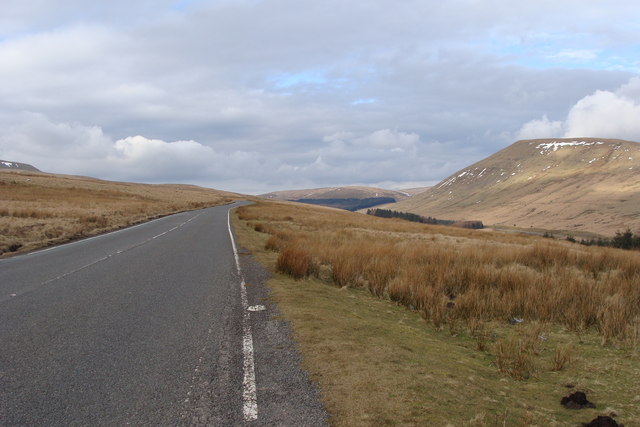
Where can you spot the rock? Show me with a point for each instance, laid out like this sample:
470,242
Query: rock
577,400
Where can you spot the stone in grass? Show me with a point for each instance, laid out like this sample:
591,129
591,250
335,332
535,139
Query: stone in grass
603,421
577,400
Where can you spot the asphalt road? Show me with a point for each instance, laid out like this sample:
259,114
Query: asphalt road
147,326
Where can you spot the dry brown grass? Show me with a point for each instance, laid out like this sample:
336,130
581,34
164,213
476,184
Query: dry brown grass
38,210
562,357
379,363
453,275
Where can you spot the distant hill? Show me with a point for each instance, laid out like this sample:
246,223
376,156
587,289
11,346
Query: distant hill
4,164
414,191
574,184
350,198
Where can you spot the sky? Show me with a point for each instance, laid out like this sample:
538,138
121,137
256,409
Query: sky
261,95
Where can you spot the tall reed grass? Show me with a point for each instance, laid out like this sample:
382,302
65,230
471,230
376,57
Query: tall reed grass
452,275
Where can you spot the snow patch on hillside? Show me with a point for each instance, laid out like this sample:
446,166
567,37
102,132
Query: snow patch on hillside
555,145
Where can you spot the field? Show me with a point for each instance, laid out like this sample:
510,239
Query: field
38,210
410,324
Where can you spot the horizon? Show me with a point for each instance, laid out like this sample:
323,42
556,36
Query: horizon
398,189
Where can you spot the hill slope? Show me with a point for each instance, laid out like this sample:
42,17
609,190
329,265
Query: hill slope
4,164
349,198
40,209
582,184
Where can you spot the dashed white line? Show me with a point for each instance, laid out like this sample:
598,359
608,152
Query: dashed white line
104,258
249,396
53,248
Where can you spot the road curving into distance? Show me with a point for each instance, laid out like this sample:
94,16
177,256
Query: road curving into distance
147,326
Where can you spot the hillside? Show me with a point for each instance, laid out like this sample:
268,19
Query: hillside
349,198
414,191
582,184
4,164
40,209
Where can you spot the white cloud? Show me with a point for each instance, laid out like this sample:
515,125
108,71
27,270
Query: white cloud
576,54
87,150
543,128
604,114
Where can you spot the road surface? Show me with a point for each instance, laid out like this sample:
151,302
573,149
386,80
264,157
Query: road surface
151,325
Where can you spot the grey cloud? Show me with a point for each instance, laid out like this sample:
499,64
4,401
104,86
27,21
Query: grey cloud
437,82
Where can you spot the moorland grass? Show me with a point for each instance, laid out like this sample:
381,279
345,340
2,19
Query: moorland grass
416,329
38,210
459,275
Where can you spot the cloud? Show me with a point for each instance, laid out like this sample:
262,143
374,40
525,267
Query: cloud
33,136
270,94
86,150
345,158
576,54
605,114
543,128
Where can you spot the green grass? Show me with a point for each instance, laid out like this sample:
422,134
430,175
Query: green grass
378,363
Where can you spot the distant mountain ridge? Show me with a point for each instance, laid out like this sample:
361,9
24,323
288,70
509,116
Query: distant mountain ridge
4,164
349,197
575,184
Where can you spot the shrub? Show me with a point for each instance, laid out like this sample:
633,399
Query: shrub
562,357
276,242
296,261
514,358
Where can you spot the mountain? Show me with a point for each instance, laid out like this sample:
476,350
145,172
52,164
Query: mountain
350,198
573,184
17,166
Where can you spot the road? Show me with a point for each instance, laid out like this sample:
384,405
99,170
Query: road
151,325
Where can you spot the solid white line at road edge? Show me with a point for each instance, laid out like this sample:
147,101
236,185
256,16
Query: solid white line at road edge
249,397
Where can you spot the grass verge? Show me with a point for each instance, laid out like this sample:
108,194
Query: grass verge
380,363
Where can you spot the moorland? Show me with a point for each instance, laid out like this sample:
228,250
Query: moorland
407,323
39,209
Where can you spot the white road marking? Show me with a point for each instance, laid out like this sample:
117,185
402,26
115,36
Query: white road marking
99,236
104,258
249,396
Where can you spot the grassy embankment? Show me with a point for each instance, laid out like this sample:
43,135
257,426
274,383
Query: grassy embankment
437,347
38,210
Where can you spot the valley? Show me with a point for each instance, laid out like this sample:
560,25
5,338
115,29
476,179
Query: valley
351,198
413,323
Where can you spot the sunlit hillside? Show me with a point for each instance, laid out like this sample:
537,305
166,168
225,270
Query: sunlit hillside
572,184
